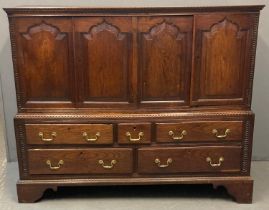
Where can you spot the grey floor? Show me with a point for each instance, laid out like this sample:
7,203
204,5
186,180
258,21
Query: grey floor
176,197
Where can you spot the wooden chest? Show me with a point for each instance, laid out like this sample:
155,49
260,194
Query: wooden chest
126,96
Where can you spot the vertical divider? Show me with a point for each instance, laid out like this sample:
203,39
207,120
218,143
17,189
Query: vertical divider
75,68
193,60
134,80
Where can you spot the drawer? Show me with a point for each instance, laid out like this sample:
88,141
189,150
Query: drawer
216,131
134,133
209,159
80,161
69,133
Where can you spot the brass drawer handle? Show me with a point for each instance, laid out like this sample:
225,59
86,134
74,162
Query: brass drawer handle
168,162
209,160
219,136
180,137
53,136
112,163
85,135
140,135
54,168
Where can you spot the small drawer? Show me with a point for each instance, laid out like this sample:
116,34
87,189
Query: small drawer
134,133
216,131
69,133
209,159
80,161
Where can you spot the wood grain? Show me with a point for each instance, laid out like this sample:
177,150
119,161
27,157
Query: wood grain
30,191
69,133
80,161
165,50
134,129
103,60
44,49
222,48
189,160
200,131
118,70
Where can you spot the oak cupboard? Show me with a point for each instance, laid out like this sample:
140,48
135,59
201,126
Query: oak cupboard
133,96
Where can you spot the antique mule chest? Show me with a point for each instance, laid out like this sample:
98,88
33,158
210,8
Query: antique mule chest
131,96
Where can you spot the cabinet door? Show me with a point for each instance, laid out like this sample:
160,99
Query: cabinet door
104,61
44,62
164,57
222,59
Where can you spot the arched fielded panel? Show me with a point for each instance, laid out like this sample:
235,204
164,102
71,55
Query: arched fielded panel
45,56
103,61
164,49
221,59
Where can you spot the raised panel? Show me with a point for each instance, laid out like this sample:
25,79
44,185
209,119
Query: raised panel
104,61
162,48
221,64
44,57
221,60
164,60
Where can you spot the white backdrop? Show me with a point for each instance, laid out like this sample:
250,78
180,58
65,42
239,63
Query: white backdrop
261,84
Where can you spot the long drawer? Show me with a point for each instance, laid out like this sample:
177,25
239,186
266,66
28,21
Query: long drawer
213,131
165,160
69,133
80,161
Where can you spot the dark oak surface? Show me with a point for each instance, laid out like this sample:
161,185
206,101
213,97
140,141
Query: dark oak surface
111,96
223,46
105,11
69,133
140,133
80,161
110,41
199,131
188,160
150,62
44,56
164,48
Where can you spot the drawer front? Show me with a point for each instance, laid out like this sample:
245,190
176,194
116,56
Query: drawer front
80,161
189,160
134,133
69,133
217,131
